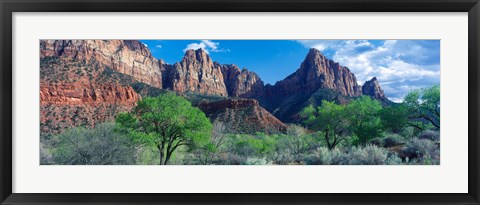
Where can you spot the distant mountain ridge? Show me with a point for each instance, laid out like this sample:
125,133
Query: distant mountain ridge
197,72
100,73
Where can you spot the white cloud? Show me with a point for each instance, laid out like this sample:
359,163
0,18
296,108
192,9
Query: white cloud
399,65
207,45
158,46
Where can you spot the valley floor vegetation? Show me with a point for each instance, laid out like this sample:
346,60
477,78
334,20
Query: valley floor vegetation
168,130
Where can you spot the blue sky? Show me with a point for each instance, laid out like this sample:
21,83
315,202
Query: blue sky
399,65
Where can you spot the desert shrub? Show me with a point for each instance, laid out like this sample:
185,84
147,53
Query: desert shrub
209,152
428,159
98,146
368,155
45,155
145,155
295,143
257,161
231,159
259,145
283,157
420,150
391,140
320,156
324,156
430,134
393,159
339,157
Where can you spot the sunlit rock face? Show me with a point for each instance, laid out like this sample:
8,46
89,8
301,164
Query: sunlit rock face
125,56
198,74
315,72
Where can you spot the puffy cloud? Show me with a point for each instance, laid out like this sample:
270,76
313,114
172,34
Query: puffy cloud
207,45
399,65
158,46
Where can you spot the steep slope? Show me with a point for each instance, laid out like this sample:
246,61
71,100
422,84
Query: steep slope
125,56
372,88
317,79
197,73
79,85
242,116
317,71
242,83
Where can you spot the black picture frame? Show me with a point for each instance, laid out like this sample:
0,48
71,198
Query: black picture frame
9,6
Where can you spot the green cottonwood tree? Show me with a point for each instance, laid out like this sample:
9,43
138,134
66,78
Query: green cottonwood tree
166,122
363,114
329,118
425,105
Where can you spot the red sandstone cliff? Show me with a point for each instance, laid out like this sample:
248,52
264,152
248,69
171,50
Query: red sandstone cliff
128,57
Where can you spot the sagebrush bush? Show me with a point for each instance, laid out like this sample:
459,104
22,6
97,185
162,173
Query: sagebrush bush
283,157
320,156
324,156
45,155
368,155
393,159
98,146
257,161
419,150
430,134
231,159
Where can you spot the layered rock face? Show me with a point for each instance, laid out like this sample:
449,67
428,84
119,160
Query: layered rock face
128,57
86,82
242,116
372,88
76,94
242,83
197,73
316,72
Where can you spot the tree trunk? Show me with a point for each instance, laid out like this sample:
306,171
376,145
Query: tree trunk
327,139
160,149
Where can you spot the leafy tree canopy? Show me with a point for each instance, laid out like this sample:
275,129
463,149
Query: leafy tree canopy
166,122
363,114
424,105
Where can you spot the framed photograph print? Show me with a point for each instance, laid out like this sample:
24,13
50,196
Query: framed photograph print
239,102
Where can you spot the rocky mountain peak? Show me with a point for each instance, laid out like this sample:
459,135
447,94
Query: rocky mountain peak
313,52
372,88
317,71
199,56
197,73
